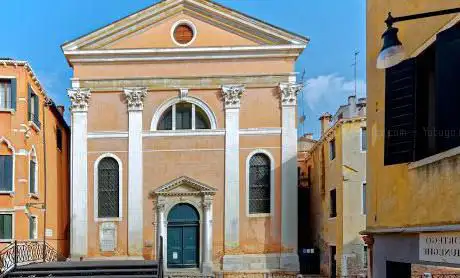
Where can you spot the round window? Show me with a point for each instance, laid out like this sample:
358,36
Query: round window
183,34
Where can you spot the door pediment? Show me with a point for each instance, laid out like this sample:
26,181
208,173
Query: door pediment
183,186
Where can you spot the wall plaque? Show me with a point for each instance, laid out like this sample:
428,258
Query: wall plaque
108,237
440,247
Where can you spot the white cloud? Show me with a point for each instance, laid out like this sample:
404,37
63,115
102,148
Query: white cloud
326,92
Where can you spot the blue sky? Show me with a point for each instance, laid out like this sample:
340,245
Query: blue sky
34,31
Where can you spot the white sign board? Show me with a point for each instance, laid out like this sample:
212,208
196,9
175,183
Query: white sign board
49,232
440,247
108,237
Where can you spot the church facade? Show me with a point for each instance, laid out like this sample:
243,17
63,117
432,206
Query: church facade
184,130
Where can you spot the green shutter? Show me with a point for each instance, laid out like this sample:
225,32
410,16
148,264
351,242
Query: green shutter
29,101
36,111
32,168
13,93
6,173
6,226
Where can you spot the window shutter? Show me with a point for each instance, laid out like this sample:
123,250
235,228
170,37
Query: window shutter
448,88
36,110
2,172
400,121
29,101
8,186
13,93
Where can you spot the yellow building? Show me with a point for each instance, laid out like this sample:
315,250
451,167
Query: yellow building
413,168
334,168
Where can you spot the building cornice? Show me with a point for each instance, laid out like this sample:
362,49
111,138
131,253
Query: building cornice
328,134
190,82
181,54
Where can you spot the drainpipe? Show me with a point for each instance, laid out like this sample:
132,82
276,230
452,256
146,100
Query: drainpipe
48,103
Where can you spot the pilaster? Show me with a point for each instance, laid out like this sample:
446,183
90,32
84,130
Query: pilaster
207,266
232,96
289,260
134,99
79,98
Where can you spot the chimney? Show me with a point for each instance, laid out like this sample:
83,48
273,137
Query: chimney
325,121
61,109
308,136
352,106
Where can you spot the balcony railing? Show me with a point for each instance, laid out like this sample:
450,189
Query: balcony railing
35,119
26,252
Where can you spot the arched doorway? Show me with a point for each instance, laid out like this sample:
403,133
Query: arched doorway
183,237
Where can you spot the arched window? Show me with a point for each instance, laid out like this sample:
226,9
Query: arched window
184,115
108,188
7,158
259,184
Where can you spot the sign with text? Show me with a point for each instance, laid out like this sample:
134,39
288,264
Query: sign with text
440,247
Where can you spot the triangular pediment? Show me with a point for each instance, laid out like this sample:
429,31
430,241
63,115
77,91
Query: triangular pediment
184,186
215,26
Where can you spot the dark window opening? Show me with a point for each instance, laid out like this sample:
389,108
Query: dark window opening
108,188
59,138
332,149
333,204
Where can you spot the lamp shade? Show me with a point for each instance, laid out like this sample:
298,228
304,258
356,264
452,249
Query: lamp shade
392,52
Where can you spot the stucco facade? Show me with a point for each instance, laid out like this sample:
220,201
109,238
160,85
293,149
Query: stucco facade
37,193
405,200
344,173
240,74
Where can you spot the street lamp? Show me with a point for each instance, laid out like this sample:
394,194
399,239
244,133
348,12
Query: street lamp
392,52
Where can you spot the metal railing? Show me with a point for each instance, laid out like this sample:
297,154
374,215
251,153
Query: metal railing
160,259
26,252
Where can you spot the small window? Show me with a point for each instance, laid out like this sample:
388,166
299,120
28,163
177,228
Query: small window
365,254
363,203
363,139
5,94
332,149
6,173
59,138
183,34
108,188
6,226
33,172
186,116
259,184
33,227
34,113
333,204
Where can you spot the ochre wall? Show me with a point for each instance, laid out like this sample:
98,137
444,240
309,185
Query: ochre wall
159,36
399,197
57,166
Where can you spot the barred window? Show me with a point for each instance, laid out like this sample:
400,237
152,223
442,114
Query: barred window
259,184
108,188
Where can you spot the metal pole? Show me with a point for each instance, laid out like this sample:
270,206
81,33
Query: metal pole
15,253
390,20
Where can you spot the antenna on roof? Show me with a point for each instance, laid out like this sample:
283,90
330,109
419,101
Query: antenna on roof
355,65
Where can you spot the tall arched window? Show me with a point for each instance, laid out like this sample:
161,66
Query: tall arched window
33,172
259,184
184,115
108,188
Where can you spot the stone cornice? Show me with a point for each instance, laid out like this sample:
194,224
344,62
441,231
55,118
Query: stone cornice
135,98
191,82
232,95
79,99
181,54
288,93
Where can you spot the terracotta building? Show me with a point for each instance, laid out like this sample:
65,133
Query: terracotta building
34,161
333,168
184,127
413,177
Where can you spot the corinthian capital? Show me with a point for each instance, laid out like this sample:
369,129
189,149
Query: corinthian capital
79,99
135,98
289,93
232,95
